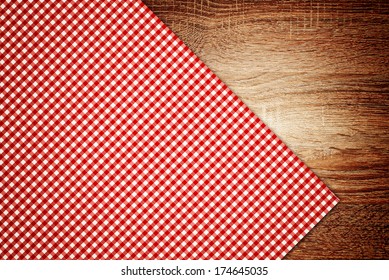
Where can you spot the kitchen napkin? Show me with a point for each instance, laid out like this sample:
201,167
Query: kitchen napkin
117,142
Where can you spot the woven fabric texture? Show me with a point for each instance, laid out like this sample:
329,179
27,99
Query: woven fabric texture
117,142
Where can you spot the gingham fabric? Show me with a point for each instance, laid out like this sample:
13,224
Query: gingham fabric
117,142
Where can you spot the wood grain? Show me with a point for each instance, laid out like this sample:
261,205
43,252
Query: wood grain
317,73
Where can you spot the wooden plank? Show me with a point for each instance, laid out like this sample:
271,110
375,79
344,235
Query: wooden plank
348,232
317,73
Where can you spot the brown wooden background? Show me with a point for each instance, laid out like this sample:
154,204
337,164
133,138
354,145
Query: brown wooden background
317,73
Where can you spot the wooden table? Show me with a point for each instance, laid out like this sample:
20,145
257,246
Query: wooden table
317,73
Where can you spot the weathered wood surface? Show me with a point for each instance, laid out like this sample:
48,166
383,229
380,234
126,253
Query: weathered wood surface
317,73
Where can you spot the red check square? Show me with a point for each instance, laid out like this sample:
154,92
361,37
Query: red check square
117,142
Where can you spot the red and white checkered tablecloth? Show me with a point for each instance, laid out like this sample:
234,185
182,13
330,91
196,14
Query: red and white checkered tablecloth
117,142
